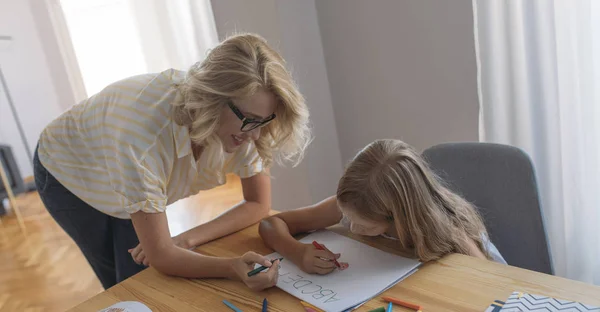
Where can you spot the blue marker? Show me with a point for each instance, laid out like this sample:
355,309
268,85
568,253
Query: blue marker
231,306
390,307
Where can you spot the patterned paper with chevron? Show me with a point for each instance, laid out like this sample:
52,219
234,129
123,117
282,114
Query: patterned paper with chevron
522,302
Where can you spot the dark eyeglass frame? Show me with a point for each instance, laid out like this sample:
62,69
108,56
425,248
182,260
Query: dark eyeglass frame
249,124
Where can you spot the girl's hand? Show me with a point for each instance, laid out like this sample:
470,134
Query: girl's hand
139,256
260,281
317,261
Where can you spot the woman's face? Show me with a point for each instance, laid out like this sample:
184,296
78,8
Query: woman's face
362,226
258,107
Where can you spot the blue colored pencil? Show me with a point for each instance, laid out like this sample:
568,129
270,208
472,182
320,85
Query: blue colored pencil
231,306
390,307
265,303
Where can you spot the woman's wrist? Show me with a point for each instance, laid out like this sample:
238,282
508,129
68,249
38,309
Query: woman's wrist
230,272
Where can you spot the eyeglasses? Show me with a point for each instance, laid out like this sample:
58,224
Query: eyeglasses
249,124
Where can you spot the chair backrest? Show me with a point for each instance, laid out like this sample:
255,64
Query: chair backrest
500,181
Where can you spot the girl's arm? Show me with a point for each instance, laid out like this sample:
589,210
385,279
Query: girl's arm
153,232
277,232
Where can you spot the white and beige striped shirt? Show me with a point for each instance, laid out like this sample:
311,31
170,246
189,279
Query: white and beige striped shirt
121,152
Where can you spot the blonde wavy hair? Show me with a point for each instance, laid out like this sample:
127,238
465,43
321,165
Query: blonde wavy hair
389,181
237,68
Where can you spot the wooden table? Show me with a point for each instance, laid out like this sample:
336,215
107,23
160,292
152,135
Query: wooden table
454,283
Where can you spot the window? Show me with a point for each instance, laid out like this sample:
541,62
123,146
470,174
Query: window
105,40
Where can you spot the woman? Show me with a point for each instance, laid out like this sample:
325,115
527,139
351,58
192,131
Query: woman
107,168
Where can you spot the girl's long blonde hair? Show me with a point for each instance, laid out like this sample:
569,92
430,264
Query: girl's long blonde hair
237,68
388,180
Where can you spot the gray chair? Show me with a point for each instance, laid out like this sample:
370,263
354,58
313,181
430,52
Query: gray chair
500,181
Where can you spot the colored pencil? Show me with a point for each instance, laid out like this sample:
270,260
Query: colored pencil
309,307
405,304
231,306
261,268
320,247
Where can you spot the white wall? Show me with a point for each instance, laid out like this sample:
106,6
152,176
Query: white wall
394,69
400,69
25,67
291,26
369,69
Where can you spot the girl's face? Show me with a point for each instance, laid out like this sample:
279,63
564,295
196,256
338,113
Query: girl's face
362,226
258,107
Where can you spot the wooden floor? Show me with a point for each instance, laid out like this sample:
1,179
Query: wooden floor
45,271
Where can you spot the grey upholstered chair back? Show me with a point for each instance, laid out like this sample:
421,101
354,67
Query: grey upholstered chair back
500,181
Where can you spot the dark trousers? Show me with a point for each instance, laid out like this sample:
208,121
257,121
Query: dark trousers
103,240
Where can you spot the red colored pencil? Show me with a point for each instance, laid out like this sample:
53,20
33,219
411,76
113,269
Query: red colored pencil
320,247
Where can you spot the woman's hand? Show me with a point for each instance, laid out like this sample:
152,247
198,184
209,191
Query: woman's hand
139,256
260,281
317,261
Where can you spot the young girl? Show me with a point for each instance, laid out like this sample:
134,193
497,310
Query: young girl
388,190
107,168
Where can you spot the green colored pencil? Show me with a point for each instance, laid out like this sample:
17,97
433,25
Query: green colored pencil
261,268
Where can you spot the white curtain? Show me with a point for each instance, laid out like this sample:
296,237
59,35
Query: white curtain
539,84
174,33
114,39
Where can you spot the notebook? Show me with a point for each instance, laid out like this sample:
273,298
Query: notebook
523,302
370,272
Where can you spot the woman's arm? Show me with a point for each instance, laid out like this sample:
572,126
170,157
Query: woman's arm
256,205
153,232
277,232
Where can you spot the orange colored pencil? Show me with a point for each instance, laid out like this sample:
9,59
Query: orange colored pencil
405,304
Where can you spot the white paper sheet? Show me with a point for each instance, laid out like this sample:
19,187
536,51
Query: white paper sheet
371,271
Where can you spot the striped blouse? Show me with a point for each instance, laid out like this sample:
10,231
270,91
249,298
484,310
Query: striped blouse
121,152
